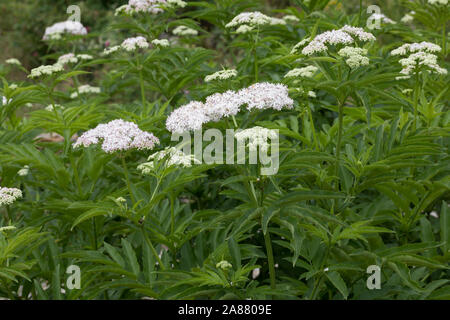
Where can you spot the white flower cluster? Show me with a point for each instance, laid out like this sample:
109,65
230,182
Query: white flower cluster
266,96
161,43
219,105
306,72
132,44
244,29
148,6
251,20
67,58
421,59
176,3
355,56
5,101
84,56
184,31
110,50
346,35
300,45
221,75
55,31
24,171
381,17
173,157
7,228
85,89
416,47
46,70
50,107
291,18
256,136
408,17
13,61
9,195
421,54
117,135
442,2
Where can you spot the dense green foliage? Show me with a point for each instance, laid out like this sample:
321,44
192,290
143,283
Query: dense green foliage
363,179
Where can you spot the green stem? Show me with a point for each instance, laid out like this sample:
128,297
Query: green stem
94,227
149,243
172,214
416,99
316,144
339,141
234,121
256,55
125,171
270,259
141,80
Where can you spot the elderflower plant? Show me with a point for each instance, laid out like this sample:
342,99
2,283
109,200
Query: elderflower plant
117,135
9,195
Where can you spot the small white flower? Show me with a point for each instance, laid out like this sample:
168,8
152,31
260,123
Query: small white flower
257,136
67,58
184,31
56,30
222,105
249,18
221,75
407,91
50,107
9,195
132,44
46,70
176,3
224,265
243,29
188,117
306,72
291,18
144,6
172,156
118,135
408,17
266,95
121,199
110,50
312,94
161,43
5,101
434,214
13,61
13,86
421,59
85,57
277,21
416,47
355,56
346,35
258,96
255,273
438,2
24,171
7,228
381,17
85,89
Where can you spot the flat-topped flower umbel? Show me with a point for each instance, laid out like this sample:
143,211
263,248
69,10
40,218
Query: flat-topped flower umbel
118,135
9,195
55,31
260,96
345,36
